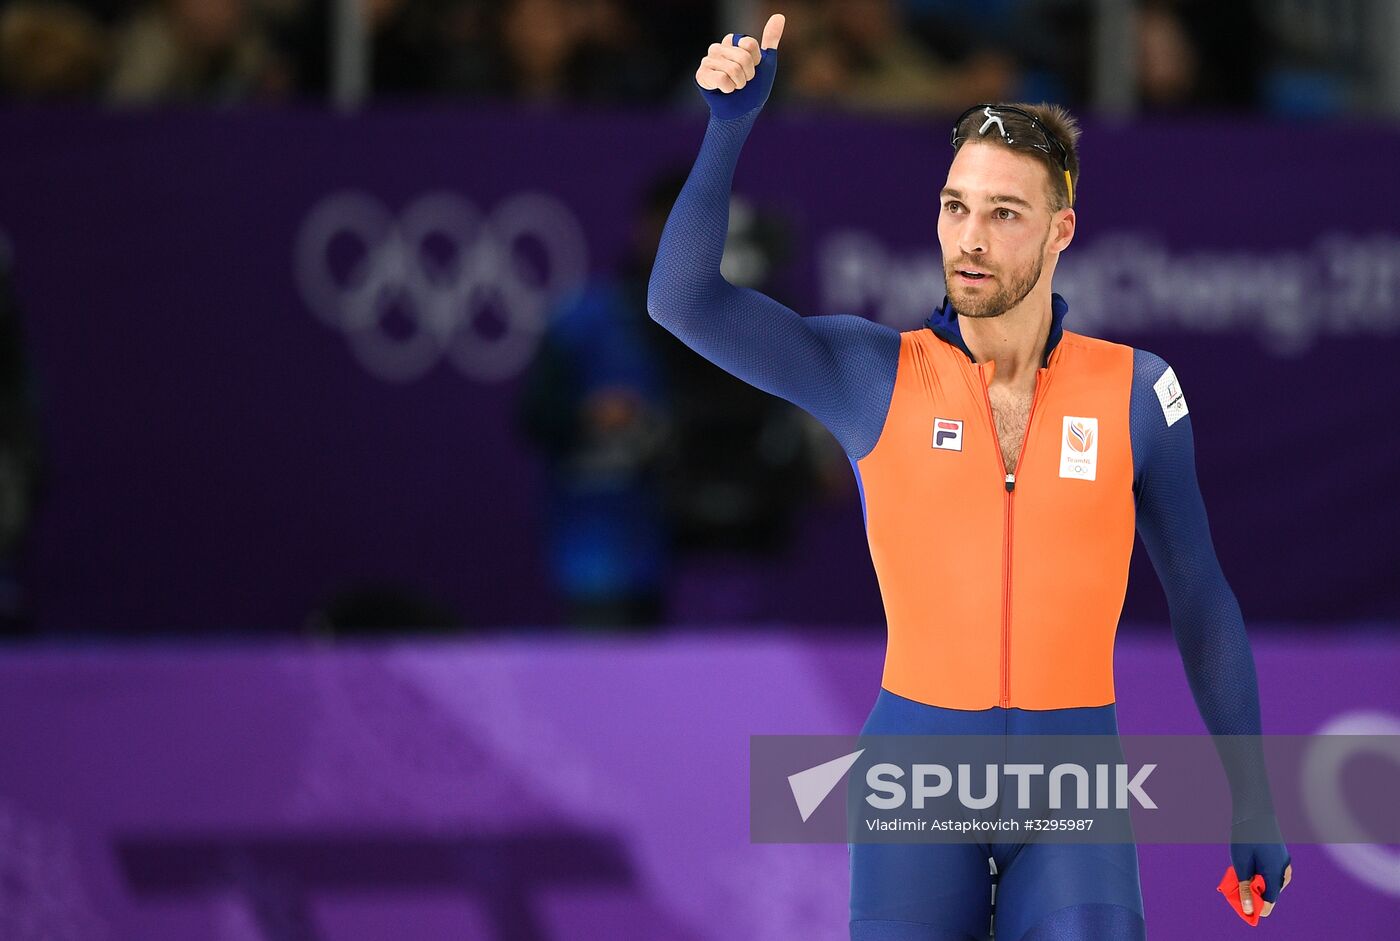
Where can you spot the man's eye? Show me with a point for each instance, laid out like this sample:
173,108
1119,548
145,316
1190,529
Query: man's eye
1005,214
952,206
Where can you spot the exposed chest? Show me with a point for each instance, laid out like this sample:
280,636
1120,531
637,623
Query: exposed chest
1011,408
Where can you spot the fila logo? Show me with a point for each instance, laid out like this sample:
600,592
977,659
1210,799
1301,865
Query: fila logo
947,434
1079,448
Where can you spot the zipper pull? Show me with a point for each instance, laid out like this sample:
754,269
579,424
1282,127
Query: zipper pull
1010,483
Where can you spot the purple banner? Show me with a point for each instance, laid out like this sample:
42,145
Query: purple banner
514,789
236,430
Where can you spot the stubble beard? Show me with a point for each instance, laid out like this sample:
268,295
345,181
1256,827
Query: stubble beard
971,302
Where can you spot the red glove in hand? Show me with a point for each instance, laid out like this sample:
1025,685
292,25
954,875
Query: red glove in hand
1230,888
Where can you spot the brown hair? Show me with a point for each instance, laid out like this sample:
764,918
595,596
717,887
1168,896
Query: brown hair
1057,121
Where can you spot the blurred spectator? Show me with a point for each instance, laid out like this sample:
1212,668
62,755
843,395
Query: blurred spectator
1293,56
538,38
1168,65
741,462
862,54
195,50
614,58
50,50
406,45
595,407
653,455
556,50
1198,55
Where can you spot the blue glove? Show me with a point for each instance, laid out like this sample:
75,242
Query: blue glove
1256,846
736,104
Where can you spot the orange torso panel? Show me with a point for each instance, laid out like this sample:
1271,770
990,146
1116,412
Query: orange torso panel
997,596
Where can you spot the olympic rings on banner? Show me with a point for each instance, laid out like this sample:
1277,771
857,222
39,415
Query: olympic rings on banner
411,290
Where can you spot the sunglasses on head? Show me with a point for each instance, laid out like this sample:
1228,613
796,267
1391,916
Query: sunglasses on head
992,122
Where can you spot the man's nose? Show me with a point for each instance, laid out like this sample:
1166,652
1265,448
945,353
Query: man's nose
972,239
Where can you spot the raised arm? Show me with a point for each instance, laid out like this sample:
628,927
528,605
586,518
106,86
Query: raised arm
840,367
1205,615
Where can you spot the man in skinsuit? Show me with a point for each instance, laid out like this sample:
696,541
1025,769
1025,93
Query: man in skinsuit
996,447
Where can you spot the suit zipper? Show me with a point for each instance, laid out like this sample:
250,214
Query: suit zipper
1009,481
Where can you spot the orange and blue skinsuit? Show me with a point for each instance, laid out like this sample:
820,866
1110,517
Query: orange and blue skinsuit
1002,586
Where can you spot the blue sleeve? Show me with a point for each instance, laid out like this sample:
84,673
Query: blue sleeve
840,367
1205,615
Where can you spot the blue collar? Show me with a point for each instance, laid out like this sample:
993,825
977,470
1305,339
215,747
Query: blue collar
944,322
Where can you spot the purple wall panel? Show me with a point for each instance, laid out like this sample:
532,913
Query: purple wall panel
522,789
221,457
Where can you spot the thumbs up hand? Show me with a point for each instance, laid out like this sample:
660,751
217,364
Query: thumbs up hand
730,66
740,64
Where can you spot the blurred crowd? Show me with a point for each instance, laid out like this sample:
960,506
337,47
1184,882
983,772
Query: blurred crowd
883,55
656,460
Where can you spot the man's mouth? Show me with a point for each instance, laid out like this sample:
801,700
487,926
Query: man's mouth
972,275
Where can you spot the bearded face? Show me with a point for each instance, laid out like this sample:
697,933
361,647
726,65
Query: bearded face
981,289
994,227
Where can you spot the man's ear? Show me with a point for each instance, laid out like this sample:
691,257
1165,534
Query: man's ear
1062,230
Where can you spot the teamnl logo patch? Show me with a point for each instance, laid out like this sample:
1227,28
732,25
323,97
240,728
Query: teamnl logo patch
1079,448
947,434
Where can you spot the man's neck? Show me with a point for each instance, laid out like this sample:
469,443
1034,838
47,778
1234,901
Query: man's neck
1014,341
